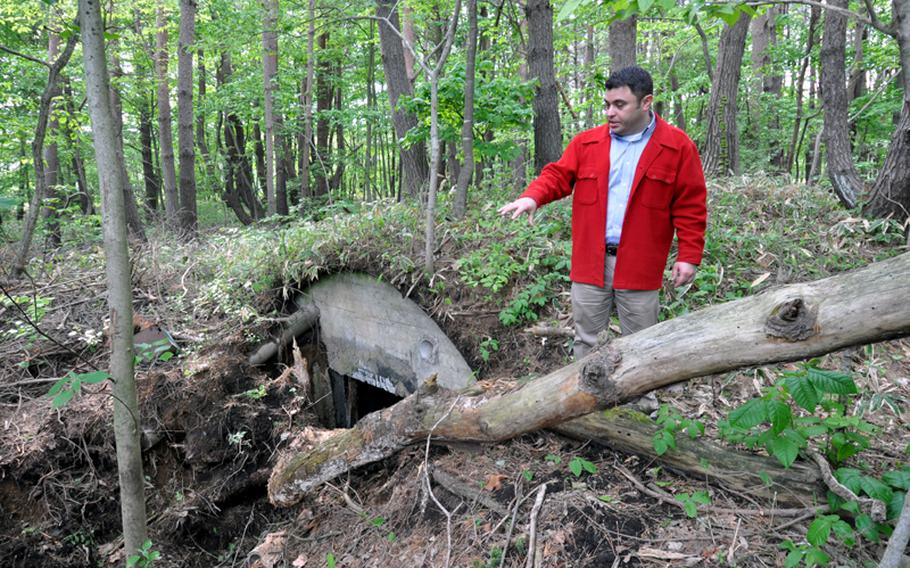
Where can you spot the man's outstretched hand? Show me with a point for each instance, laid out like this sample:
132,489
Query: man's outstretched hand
683,273
520,206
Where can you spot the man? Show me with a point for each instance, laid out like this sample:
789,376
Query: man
636,181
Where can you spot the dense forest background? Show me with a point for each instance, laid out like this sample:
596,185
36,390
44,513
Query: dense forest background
270,109
226,154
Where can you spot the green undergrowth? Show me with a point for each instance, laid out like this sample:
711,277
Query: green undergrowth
760,235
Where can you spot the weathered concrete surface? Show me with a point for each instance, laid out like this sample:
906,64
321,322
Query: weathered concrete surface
376,336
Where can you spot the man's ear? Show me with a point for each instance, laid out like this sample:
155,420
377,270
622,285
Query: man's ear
646,102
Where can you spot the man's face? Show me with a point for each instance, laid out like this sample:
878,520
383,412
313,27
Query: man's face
625,113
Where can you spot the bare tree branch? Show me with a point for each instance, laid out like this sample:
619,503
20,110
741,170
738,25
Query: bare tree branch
24,56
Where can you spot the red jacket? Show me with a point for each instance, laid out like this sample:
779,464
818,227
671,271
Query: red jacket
668,193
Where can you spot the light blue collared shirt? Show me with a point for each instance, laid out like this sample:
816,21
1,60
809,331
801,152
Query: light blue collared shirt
625,151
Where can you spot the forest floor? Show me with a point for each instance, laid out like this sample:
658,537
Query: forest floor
213,426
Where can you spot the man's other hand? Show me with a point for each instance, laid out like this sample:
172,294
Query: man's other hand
683,273
519,206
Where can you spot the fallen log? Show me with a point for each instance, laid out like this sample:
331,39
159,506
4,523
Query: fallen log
785,324
631,432
300,321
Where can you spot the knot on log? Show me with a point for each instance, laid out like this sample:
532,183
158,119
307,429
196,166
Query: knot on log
793,320
596,374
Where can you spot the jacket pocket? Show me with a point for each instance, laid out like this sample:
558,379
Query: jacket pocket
585,192
657,189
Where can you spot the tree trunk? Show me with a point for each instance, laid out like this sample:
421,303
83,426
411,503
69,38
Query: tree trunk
238,186
632,432
44,111
547,129
467,126
165,132
52,159
133,221
150,179
414,158
721,147
890,195
269,76
444,48
84,196
323,104
792,152
368,190
109,157
590,82
307,101
623,40
785,324
764,36
207,162
339,134
841,170
187,213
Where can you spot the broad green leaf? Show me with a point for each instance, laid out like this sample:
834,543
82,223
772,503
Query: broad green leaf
701,497
62,398
644,5
785,449
832,382
816,557
867,527
568,9
851,478
575,467
876,489
59,385
820,529
765,478
899,479
94,377
330,560
896,504
780,414
802,392
843,532
750,414
793,558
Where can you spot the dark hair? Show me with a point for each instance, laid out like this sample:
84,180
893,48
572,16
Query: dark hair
637,79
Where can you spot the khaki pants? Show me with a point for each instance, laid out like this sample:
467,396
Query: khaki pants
591,307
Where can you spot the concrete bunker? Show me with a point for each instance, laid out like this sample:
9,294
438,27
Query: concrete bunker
368,347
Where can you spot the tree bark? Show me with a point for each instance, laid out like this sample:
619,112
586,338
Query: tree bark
632,432
841,170
109,157
149,177
323,104
186,215
547,129
467,126
44,111
165,132
52,159
133,220
814,14
890,195
623,40
84,195
210,175
307,101
721,147
269,76
433,75
414,158
785,324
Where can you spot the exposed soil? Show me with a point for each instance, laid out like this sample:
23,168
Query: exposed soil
213,427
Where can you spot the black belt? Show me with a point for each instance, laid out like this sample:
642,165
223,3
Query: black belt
611,249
